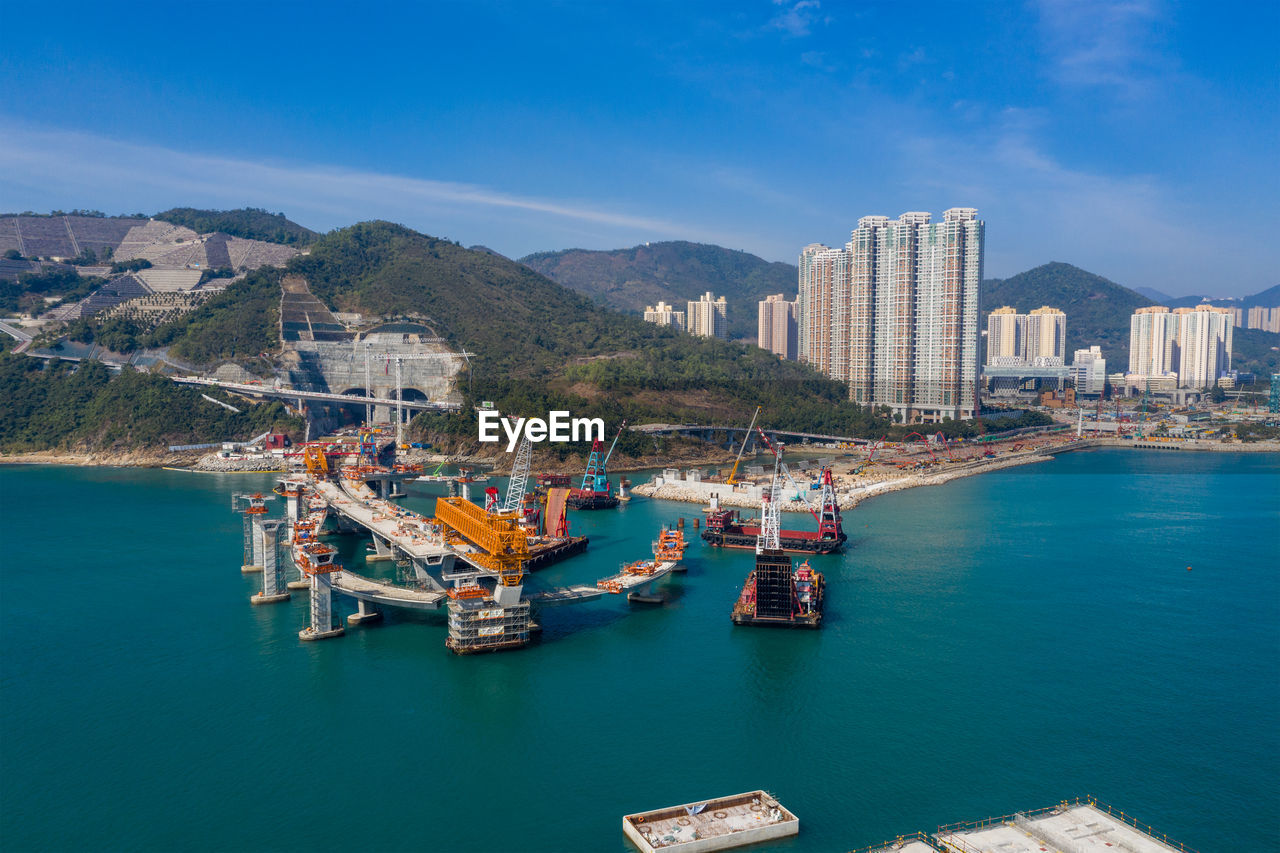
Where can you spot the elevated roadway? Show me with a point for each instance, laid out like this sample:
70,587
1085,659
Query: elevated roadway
386,593
319,396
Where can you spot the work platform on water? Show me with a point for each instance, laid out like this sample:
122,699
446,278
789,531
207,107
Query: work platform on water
1075,826
717,824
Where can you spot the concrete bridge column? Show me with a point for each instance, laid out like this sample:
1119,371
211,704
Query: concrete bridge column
273,588
366,612
255,545
321,626
300,581
381,551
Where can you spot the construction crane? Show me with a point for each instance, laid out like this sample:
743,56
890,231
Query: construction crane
770,538
778,464
928,445
745,437
594,492
519,476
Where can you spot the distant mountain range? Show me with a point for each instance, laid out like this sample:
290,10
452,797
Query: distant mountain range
674,272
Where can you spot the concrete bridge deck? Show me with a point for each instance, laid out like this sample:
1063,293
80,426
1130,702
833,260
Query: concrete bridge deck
386,593
392,524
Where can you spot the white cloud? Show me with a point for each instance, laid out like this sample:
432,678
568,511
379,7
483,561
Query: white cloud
44,168
1097,43
796,18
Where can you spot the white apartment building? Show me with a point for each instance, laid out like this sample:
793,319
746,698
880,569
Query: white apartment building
1152,342
1005,330
1046,336
708,317
1037,338
1204,345
1089,370
776,326
1266,319
664,315
1191,345
895,313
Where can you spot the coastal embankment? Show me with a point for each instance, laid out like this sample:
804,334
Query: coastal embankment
856,484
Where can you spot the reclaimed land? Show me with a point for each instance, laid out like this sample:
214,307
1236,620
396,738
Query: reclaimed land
855,483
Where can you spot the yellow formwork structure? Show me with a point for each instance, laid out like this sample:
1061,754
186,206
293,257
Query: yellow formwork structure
504,543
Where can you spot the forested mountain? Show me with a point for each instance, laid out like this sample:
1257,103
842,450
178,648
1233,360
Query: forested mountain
250,223
630,279
85,408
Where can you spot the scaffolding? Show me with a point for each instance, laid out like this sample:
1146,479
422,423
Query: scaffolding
477,624
254,510
273,581
774,586
317,562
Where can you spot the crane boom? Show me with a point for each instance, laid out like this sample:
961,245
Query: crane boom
734,473
519,476
605,464
778,463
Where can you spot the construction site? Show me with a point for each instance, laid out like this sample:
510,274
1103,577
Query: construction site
467,559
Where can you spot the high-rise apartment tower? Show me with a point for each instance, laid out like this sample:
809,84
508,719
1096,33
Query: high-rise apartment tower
895,313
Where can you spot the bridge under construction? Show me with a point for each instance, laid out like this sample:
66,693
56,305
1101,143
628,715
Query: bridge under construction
468,559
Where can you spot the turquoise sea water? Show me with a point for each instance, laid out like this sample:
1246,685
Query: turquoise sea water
998,643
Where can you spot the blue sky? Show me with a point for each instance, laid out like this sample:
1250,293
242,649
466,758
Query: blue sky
1135,139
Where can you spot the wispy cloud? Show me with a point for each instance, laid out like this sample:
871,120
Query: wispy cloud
1098,43
66,168
1131,228
796,18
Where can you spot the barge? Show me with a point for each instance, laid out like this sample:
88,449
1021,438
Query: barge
726,529
719,824
778,594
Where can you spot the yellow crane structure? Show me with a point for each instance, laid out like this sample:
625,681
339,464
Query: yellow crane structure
503,542
316,461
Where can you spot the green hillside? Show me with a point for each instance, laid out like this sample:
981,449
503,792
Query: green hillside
87,408
250,223
1097,309
630,279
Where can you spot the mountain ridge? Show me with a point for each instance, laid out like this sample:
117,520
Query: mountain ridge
674,271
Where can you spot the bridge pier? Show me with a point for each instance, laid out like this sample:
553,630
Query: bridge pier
273,588
321,627
255,546
381,551
365,612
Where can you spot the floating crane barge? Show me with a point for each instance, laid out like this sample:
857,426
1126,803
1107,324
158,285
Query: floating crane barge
775,593
726,529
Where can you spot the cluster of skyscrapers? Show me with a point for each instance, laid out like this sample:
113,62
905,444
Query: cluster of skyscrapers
1191,345
894,313
707,317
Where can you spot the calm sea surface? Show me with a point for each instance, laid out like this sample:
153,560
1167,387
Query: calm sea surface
998,643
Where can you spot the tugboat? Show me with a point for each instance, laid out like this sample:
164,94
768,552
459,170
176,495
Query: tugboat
775,593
